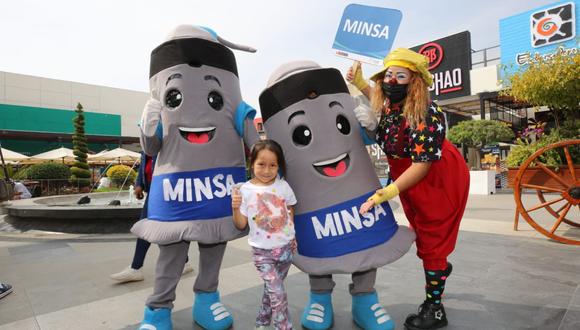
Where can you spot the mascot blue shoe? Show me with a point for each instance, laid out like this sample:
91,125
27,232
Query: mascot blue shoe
156,319
209,312
318,315
368,313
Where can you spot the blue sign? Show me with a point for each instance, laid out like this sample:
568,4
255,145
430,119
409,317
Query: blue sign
366,33
543,31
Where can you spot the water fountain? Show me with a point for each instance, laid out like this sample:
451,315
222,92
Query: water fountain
94,205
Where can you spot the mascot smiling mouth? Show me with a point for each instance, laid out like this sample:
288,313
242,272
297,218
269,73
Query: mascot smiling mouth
333,167
199,135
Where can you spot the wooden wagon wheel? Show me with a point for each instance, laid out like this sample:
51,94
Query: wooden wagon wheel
553,212
565,183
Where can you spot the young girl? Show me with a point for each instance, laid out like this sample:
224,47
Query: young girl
267,201
429,173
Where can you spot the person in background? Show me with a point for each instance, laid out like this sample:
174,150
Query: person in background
104,182
142,183
20,191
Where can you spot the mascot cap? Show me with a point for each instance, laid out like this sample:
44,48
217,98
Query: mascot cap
296,81
196,46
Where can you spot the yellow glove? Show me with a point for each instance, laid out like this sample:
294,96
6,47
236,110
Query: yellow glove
382,195
358,81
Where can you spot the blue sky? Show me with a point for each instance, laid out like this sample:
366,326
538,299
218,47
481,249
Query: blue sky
108,42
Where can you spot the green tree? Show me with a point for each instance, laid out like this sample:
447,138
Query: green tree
80,173
479,133
48,170
476,134
553,82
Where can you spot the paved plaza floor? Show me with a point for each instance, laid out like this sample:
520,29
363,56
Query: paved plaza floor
501,279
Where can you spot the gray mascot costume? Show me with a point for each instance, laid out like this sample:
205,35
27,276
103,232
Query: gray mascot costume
195,123
309,112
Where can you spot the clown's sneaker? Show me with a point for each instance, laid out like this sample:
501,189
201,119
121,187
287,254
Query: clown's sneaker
369,314
318,314
209,312
156,319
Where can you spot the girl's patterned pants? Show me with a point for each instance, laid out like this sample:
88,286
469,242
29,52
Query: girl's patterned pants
273,267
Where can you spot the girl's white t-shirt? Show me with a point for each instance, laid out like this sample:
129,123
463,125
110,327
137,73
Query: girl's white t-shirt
266,208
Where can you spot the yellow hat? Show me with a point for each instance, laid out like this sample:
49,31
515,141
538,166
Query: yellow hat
408,59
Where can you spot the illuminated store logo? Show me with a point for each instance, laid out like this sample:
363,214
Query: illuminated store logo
553,25
434,52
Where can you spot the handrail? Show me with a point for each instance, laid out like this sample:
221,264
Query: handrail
486,60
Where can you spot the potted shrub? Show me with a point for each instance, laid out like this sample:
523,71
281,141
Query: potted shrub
554,159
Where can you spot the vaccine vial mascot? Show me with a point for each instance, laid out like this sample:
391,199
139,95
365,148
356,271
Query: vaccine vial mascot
194,122
309,112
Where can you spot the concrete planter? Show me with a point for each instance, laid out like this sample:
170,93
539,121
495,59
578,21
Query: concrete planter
482,182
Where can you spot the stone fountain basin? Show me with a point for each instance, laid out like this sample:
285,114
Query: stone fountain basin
65,207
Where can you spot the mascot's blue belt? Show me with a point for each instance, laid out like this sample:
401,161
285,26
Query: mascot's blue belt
195,195
339,229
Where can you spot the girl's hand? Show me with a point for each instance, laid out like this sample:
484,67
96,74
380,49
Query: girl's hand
366,206
294,246
236,199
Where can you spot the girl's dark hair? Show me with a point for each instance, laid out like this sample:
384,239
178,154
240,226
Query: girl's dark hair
274,147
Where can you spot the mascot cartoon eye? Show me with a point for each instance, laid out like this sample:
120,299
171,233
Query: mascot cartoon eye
215,100
173,98
301,136
342,124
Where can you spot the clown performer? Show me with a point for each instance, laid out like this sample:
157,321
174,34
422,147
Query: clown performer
430,175
309,112
194,121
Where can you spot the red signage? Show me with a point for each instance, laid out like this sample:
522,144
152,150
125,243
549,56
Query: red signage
434,53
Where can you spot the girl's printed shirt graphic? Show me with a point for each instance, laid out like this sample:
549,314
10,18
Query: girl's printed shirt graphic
267,210
272,213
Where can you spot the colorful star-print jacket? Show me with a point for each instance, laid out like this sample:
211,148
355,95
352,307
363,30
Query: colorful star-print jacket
421,144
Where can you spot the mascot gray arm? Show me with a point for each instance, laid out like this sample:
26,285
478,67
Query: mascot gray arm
150,121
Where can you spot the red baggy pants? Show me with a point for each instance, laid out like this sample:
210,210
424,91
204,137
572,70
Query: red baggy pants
435,205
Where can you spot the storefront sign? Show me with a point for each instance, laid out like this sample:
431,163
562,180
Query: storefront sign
541,32
449,62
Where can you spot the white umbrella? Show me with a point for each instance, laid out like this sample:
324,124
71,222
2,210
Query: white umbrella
12,155
62,153
120,154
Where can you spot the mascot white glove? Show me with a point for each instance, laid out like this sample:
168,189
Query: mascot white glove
150,117
366,117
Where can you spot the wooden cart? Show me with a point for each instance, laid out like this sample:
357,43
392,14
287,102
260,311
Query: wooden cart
557,189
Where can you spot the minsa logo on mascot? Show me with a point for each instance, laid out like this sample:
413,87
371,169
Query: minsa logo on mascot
345,221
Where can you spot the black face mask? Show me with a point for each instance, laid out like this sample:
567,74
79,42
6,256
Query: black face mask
395,92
